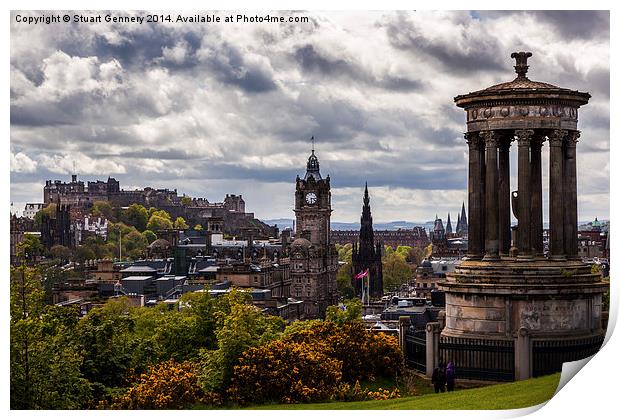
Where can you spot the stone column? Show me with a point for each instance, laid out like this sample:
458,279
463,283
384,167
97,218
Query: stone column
475,248
570,195
537,208
504,196
403,325
491,243
432,347
525,194
556,202
523,355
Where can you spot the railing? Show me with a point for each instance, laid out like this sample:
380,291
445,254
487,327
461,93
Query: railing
480,359
415,349
548,355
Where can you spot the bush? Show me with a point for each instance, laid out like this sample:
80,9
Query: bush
168,385
364,354
284,371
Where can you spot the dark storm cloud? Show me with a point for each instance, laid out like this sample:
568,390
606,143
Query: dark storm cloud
482,52
311,61
570,24
231,68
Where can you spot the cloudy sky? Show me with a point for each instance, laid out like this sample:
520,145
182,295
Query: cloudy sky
212,109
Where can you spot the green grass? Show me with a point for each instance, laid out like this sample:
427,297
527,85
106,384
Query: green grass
494,397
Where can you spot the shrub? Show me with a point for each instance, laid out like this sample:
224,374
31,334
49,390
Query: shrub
364,354
168,385
284,371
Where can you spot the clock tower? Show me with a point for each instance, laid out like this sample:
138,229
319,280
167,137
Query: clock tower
314,259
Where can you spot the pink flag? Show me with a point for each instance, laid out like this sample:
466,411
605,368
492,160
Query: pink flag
361,275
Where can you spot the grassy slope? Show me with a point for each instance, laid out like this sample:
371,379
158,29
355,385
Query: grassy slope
495,397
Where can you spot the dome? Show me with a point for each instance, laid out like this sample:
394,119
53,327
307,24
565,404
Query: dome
160,244
426,263
301,242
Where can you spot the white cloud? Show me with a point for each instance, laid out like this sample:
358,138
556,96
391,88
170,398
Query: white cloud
20,162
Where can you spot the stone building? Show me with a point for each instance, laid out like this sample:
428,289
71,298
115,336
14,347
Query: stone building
313,257
415,236
228,216
366,255
56,229
545,308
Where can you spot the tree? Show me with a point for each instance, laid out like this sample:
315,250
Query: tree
149,236
349,311
179,224
345,252
44,370
134,244
245,326
198,227
61,252
158,223
84,253
186,200
396,271
343,281
102,209
104,337
416,255
135,215
31,247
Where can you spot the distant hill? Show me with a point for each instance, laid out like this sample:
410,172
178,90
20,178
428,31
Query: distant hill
398,224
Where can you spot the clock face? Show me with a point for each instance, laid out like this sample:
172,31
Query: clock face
311,198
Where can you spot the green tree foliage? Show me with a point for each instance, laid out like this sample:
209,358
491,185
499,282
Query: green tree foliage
158,223
416,255
198,227
31,247
61,252
99,246
44,370
396,271
135,215
245,326
349,311
104,336
343,281
345,252
186,200
84,253
180,224
134,245
103,209
149,236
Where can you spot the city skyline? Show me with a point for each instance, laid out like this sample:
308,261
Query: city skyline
220,110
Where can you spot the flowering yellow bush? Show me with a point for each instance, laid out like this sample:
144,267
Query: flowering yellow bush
364,354
167,385
286,372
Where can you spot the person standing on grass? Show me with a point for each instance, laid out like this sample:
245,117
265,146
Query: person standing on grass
439,378
450,373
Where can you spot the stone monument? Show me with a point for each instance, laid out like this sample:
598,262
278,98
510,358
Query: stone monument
509,288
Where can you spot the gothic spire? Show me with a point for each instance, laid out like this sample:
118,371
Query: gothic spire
448,225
